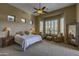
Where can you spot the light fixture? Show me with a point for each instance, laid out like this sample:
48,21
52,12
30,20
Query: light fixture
23,20
40,10
32,30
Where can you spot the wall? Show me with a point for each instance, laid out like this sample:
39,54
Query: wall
5,10
77,12
70,14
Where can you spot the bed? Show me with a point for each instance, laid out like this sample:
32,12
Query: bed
27,40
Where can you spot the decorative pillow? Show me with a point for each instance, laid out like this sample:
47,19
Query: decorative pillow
26,32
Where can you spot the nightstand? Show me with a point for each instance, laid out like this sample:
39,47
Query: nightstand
7,41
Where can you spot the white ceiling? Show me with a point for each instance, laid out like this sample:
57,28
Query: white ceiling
28,7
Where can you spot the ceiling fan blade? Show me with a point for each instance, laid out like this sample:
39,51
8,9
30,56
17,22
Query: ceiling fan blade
45,12
35,8
35,12
43,8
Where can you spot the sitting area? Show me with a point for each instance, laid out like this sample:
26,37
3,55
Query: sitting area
54,37
59,38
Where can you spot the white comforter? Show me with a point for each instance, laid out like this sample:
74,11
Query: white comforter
27,40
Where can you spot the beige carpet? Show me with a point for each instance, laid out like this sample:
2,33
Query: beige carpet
43,48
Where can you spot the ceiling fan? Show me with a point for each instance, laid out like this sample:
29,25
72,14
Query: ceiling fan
40,10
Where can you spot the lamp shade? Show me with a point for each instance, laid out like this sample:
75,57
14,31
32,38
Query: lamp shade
6,29
32,30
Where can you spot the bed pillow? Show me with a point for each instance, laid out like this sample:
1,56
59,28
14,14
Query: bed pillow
20,33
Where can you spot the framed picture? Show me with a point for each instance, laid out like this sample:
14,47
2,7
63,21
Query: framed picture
31,22
11,18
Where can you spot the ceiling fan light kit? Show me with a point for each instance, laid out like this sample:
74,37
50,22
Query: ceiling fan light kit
40,10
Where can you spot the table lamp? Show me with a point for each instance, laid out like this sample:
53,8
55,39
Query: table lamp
32,30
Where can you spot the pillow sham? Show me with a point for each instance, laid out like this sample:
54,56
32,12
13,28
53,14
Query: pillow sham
20,33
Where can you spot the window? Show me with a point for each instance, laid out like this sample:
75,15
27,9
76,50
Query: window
55,27
51,26
47,26
62,25
41,26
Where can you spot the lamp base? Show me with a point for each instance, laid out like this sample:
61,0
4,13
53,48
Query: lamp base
8,34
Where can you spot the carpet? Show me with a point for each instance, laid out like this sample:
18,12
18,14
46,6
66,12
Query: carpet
43,48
